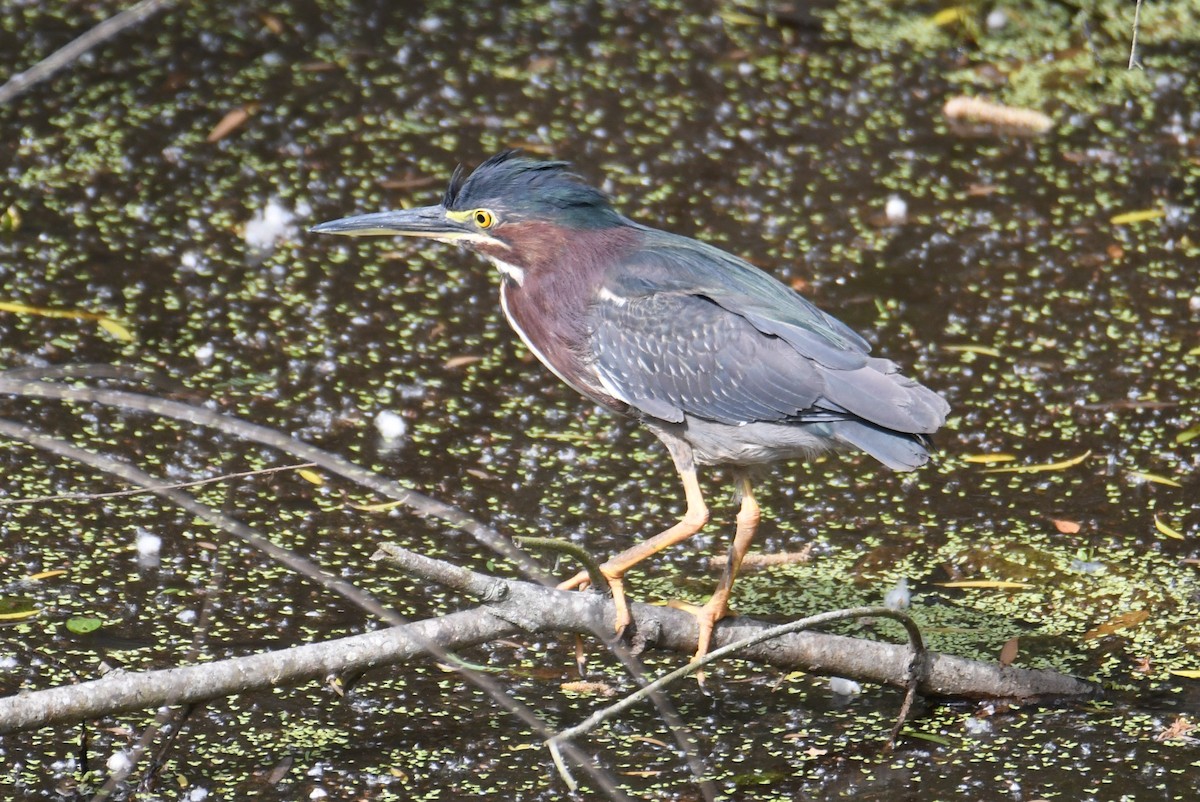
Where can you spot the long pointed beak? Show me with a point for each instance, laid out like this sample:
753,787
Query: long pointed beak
429,222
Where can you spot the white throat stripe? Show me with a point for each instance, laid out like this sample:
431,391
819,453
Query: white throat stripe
511,271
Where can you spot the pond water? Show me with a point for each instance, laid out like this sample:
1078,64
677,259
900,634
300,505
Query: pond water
1048,286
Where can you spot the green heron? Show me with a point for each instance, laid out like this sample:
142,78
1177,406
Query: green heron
725,364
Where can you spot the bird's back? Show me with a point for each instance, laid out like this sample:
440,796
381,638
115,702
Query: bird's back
743,367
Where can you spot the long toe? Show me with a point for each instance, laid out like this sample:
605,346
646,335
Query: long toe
577,582
622,617
706,619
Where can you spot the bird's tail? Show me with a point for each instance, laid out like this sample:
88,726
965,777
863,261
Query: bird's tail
900,451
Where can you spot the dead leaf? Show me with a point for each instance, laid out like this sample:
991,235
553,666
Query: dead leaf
1137,217
1122,621
984,350
111,325
648,740
1187,435
1066,527
271,22
1166,530
280,770
1008,652
1178,729
993,584
949,16
115,329
589,688
311,476
478,473
1154,478
988,459
461,361
18,615
231,122
45,574
1047,466
382,506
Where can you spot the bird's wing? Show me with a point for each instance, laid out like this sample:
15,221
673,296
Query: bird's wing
669,353
672,263
684,328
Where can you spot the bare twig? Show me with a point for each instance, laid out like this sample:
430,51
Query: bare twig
419,503
756,560
77,47
139,478
590,563
144,490
416,502
480,586
124,692
199,416
614,710
1007,119
1137,22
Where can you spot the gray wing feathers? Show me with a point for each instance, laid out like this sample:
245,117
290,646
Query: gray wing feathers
686,329
715,366
675,264
878,393
669,355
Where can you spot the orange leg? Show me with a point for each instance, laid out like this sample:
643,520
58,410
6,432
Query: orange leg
614,570
717,607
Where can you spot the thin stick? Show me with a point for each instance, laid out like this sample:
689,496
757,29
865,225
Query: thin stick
136,476
604,714
139,478
418,503
590,563
1137,21
147,490
77,47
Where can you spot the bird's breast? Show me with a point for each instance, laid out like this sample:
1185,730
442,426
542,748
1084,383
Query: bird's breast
551,321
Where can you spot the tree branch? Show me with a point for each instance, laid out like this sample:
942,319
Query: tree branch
65,55
199,416
538,609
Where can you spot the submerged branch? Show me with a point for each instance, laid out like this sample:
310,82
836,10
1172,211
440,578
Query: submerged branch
236,427
71,52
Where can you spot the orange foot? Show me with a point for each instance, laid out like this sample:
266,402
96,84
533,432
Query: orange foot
616,585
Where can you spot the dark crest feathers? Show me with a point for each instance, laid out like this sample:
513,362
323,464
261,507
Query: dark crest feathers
516,184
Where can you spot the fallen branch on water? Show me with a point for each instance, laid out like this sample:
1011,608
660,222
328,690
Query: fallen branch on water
512,608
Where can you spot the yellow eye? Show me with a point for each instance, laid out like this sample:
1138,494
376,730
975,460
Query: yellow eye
484,218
